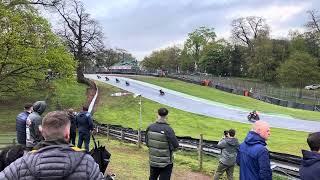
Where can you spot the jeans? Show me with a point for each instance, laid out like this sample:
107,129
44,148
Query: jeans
224,168
163,173
84,136
73,138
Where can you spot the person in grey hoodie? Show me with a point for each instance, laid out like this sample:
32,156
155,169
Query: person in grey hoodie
229,145
33,124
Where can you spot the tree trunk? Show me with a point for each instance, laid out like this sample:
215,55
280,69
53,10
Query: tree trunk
80,75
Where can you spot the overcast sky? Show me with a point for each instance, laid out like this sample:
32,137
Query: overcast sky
141,26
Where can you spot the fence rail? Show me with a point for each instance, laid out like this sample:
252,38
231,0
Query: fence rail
281,163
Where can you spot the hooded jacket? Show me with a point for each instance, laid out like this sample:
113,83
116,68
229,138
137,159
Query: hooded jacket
33,122
253,158
229,151
54,160
161,140
84,122
310,167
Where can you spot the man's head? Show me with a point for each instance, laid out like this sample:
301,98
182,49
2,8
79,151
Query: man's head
85,108
232,132
56,125
262,128
314,141
28,107
163,112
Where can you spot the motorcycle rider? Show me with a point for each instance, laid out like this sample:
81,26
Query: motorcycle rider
127,83
253,116
161,92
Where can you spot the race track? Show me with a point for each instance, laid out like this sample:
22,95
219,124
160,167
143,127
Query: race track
205,107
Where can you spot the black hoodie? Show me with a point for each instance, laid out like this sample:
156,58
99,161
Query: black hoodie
310,168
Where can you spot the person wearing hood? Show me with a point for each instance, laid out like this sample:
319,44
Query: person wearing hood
253,156
161,141
229,147
54,158
310,166
33,124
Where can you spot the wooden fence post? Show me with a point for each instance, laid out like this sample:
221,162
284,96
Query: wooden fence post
139,138
200,151
108,131
14,141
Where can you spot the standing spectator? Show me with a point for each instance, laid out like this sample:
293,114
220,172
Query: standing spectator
54,158
253,156
85,126
229,145
310,168
21,124
161,140
34,121
73,126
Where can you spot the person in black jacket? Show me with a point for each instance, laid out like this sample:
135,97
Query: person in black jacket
162,141
21,124
310,168
85,126
73,126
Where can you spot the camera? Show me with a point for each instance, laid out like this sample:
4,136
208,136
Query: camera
225,132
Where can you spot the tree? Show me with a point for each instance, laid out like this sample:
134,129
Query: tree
314,23
216,58
246,30
299,70
196,42
82,34
28,50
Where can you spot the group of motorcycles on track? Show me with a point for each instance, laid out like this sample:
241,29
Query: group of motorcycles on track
252,116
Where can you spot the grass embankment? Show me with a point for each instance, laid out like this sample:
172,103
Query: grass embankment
125,111
228,98
61,94
129,162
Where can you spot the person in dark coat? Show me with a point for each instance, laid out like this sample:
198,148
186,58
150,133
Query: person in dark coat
161,141
310,167
85,126
21,123
253,156
54,158
73,127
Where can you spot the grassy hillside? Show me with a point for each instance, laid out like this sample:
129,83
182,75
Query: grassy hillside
228,98
125,111
61,94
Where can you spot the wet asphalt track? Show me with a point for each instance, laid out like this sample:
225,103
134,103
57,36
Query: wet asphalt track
205,107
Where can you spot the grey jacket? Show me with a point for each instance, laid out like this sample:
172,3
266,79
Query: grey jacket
161,140
59,161
34,120
229,150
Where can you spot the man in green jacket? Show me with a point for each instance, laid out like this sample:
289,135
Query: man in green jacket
162,141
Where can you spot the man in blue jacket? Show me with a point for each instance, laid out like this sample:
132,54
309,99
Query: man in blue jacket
310,168
21,124
253,156
85,126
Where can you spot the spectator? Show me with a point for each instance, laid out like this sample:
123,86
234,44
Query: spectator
229,145
253,156
54,158
34,121
21,124
9,154
73,127
85,126
161,140
310,168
